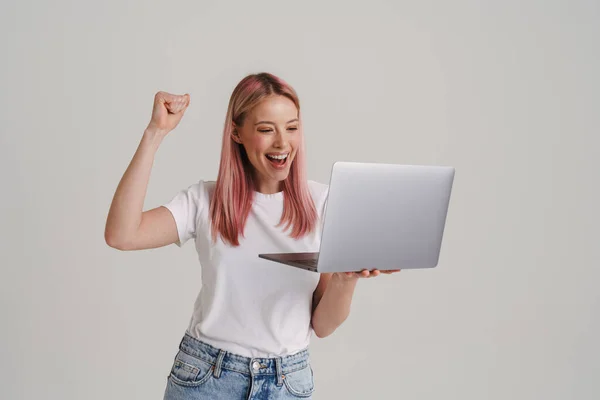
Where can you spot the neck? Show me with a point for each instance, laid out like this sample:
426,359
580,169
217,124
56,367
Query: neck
267,187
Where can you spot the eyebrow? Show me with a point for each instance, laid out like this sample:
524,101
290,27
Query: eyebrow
272,123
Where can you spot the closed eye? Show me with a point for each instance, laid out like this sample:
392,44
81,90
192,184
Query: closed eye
270,130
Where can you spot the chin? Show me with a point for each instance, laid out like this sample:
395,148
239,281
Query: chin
280,175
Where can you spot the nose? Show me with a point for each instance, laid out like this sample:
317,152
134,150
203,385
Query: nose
280,140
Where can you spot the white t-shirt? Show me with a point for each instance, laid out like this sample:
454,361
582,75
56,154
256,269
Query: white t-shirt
248,305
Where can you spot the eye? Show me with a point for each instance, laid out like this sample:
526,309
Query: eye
265,130
293,128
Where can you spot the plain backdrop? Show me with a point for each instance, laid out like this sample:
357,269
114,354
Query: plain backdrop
506,92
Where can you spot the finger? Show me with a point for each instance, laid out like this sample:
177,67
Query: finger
375,273
173,103
165,97
179,107
170,105
184,102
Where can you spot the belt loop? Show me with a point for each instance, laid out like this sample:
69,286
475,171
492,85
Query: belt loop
217,371
278,366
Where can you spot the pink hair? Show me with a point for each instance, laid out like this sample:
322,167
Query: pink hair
234,191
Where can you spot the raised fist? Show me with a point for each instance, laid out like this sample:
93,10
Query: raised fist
167,111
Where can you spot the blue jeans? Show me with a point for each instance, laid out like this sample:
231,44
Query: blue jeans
201,371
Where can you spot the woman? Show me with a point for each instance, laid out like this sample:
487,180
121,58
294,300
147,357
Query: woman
249,333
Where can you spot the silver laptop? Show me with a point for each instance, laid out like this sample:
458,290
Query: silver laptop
379,216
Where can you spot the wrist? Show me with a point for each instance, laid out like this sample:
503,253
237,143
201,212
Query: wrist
153,136
341,278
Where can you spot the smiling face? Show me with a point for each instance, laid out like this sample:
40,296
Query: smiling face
270,135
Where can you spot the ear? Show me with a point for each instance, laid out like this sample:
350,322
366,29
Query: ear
235,135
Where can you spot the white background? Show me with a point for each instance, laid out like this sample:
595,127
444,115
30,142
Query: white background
506,92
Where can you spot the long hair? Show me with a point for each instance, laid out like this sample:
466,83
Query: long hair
232,199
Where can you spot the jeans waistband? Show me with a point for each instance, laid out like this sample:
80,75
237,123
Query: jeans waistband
235,362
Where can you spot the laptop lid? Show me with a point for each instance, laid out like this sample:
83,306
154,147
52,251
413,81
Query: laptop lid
384,216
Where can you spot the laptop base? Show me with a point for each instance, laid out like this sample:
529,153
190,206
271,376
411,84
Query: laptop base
307,261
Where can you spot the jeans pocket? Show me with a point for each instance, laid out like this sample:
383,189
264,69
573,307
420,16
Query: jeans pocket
190,371
300,383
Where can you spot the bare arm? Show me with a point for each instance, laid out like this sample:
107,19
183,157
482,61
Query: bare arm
331,303
333,297
128,227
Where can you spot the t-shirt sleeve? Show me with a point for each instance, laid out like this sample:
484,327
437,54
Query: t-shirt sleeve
186,207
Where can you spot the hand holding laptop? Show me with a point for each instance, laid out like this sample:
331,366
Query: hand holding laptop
365,273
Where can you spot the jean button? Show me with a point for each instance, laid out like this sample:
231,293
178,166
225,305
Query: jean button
256,365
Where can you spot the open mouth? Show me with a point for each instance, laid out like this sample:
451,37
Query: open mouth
278,160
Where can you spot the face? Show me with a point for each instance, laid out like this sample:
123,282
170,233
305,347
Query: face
270,135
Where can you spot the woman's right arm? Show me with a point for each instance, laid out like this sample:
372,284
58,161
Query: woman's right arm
128,227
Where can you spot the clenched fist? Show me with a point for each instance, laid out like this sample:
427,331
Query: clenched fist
167,111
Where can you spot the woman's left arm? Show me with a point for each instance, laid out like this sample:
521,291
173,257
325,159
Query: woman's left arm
332,299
